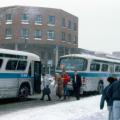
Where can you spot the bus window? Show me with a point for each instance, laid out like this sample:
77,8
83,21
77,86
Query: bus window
111,68
1,61
11,65
12,56
117,68
104,67
71,63
95,67
21,65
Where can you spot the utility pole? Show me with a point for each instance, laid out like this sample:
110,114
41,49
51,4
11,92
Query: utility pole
69,50
25,42
16,46
56,55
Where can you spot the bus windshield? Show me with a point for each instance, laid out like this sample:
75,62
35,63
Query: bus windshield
70,63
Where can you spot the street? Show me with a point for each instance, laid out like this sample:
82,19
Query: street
34,109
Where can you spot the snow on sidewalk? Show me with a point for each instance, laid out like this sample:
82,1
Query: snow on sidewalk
84,109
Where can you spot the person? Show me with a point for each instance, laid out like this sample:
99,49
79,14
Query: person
108,100
46,90
114,93
65,77
76,85
59,86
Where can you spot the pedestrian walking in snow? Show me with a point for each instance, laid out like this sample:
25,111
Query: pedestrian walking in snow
114,94
46,90
76,85
59,86
108,100
65,79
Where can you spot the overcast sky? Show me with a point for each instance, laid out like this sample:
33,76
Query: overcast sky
99,20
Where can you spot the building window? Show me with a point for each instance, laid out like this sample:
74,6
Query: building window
8,19
49,58
38,34
63,36
63,22
69,37
51,20
24,33
24,19
8,33
38,19
0,21
69,24
75,26
51,35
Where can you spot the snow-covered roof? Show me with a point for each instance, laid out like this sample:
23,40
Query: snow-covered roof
16,52
88,56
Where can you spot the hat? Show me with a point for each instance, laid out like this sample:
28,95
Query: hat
110,79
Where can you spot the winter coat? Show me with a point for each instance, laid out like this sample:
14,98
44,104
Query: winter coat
65,78
114,91
46,90
59,88
104,98
78,81
46,83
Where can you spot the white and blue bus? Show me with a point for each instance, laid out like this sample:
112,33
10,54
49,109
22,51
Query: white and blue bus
20,74
93,70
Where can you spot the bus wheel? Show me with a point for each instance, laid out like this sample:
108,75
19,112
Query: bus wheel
23,92
100,87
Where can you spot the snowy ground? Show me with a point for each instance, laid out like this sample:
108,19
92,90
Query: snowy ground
84,109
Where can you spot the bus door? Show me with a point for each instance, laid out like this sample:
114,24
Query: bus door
37,76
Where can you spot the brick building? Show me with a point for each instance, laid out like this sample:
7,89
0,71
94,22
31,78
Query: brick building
47,32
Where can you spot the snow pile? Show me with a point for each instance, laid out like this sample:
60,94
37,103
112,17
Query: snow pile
84,109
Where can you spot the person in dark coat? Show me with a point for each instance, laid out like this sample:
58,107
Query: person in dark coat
76,85
108,100
114,94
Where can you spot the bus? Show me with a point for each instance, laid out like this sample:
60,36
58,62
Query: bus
20,74
93,70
